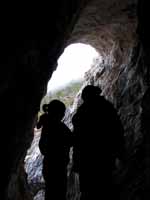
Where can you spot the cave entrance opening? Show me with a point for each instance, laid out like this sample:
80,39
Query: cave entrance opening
64,85
67,79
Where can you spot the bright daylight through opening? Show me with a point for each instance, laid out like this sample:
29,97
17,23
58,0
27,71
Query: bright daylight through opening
72,64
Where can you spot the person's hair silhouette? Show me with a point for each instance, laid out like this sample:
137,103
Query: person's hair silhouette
56,109
89,92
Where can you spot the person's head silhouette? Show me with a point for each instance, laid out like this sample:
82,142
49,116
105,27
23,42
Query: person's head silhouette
56,109
90,91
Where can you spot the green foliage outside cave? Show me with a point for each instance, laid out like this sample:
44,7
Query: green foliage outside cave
65,94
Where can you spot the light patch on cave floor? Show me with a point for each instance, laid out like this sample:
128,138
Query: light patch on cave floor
72,65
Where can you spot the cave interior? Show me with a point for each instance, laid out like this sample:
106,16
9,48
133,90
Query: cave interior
33,38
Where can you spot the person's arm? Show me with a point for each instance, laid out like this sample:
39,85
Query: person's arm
39,123
43,144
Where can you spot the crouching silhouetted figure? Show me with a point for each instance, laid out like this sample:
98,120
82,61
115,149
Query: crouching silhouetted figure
99,142
55,146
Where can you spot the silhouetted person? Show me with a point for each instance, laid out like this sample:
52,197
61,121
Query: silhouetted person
43,124
43,118
55,146
99,143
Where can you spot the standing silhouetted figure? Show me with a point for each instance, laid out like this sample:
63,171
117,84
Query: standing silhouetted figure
43,118
99,142
55,146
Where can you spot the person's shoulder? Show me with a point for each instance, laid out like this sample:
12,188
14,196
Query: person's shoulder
102,101
81,109
44,116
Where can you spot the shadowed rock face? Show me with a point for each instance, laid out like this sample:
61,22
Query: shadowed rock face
27,64
27,61
33,166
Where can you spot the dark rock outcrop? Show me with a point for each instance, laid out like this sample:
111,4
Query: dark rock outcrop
33,166
27,61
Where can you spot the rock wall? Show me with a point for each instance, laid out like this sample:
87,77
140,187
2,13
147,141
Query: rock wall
33,166
121,73
32,39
